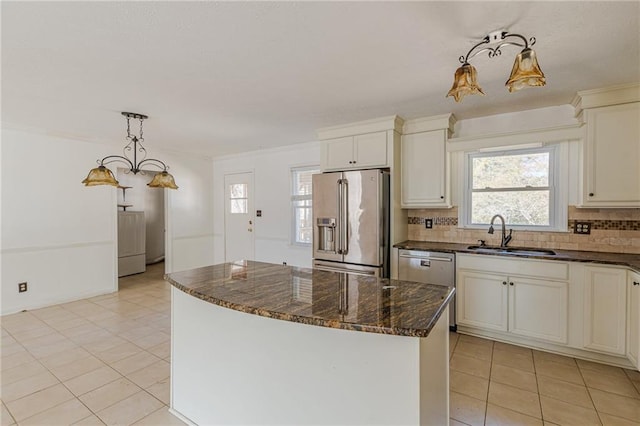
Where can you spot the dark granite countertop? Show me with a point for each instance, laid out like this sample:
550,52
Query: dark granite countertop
322,298
623,259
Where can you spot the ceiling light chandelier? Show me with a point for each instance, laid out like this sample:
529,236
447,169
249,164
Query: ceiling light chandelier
103,176
525,73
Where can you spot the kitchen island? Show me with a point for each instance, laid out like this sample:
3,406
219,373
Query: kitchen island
258,343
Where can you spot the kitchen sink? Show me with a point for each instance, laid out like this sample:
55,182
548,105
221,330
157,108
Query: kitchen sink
513,250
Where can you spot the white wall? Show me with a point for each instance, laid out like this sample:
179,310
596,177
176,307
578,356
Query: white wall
272,171
60,236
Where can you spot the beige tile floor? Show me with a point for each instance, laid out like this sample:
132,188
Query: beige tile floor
105,360
493,383
102,360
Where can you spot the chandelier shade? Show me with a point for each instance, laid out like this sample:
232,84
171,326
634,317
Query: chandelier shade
526,71
101,175
465,82
163,180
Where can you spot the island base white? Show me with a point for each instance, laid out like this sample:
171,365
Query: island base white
230,367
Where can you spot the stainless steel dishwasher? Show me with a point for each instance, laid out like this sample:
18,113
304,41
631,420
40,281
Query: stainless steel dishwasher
431,268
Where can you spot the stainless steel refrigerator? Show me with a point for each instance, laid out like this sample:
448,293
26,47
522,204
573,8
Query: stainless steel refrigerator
351,222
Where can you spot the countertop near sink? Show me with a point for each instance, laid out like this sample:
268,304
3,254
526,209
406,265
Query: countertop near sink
624,259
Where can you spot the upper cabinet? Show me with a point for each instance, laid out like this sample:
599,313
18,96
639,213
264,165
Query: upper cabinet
363,145
364,151
610,151
426,163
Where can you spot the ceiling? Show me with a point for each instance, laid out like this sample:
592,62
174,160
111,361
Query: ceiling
223,77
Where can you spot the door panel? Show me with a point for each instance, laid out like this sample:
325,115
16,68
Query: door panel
538,309
238,217
482,300
365,214
325,209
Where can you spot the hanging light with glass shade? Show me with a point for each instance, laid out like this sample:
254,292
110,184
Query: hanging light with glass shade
101,175
525,73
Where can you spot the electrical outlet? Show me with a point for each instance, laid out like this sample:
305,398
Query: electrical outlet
582,228
22,287
428,223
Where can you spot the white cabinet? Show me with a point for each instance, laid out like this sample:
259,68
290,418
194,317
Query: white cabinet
481,300
633,319
355,152
605,306
538,309
425,170
534,305
610,151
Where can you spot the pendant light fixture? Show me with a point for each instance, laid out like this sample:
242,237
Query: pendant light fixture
103,176
525,73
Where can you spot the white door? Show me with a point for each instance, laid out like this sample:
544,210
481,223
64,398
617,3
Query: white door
238,217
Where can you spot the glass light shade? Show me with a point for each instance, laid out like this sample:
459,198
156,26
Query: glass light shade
163,180
100,176
465,82
526,72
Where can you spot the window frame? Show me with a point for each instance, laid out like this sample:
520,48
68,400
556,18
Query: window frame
558,187
297,197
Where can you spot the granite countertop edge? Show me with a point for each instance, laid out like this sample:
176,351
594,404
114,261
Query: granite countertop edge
316,321
629,260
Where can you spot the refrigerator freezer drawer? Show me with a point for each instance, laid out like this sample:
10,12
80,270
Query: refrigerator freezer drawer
370,271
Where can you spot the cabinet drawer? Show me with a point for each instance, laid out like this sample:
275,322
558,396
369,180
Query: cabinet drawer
528,267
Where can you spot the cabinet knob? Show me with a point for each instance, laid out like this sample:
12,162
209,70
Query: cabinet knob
442,197
504,283
591,194
636,283
510,283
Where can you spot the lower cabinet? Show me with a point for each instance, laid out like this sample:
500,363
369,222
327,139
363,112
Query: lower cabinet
633,319
482,300
523,306
538,309
605,309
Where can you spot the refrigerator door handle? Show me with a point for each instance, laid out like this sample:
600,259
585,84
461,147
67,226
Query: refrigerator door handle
338,237
345,216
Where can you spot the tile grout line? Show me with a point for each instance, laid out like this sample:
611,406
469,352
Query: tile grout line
486,403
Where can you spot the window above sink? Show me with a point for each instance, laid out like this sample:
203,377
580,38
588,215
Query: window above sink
527,186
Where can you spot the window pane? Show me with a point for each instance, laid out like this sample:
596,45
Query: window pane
303,222
511,171
238,190
302,182
517,207
239,206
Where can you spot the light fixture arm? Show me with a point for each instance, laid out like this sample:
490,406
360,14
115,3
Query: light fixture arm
496,36
134,166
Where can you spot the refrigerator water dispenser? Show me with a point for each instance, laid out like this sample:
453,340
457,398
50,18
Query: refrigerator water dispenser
326,233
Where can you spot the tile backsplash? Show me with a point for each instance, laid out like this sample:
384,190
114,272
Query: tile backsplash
612,230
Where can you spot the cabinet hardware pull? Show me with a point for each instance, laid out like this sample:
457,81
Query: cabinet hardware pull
636,283
504,283
510,283
442,197
591,194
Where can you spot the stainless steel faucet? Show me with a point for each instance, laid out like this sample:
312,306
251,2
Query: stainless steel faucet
505,238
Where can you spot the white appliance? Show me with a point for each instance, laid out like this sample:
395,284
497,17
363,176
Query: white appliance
131,243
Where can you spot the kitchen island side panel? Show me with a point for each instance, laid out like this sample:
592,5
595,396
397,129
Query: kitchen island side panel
231,367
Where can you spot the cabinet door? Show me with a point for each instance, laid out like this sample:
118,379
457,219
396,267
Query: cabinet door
612,156
338,154
538,309
605,309
424,170
482,300
370,150
633,315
